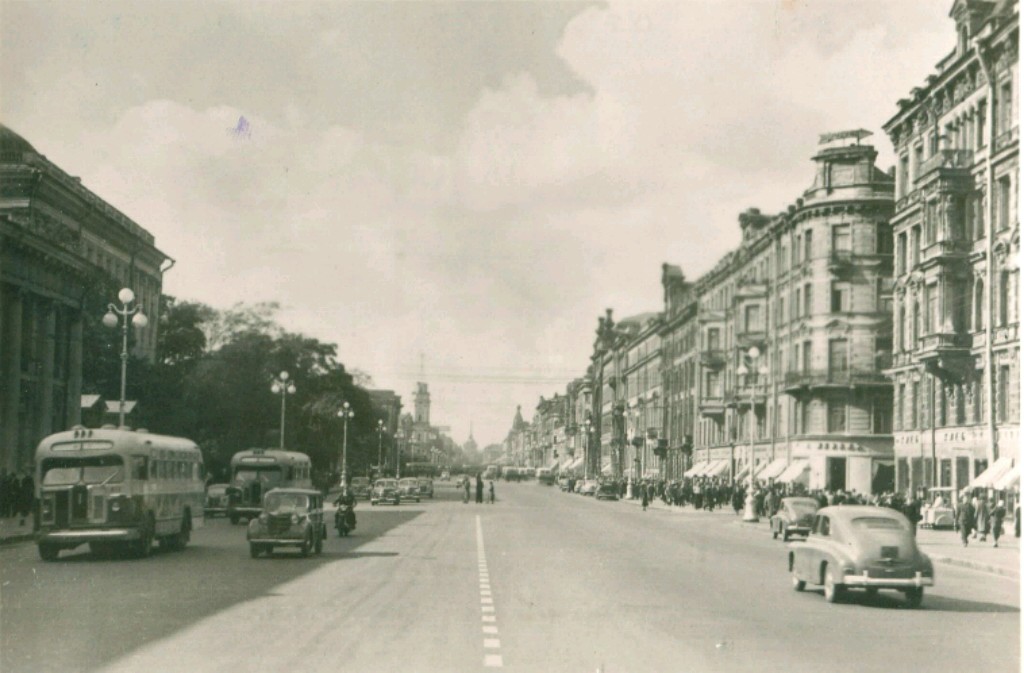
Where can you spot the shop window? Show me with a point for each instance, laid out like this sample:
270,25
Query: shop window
837,416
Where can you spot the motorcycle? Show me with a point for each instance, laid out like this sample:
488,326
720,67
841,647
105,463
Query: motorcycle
344,520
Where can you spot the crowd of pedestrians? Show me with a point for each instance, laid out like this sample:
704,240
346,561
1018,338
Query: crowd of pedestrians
17,491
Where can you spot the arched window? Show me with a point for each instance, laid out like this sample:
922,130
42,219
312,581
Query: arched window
979,305
901,327
915,324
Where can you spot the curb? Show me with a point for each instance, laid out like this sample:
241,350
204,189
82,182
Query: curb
14,539
976,565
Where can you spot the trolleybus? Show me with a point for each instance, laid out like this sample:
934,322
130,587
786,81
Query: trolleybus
256,471
116,487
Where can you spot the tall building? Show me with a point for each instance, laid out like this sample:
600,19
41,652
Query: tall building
680,367
956,353
794,335
64,254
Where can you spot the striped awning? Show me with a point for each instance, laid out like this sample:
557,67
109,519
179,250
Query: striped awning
795,472
994,473
717,469
772,470
1009,480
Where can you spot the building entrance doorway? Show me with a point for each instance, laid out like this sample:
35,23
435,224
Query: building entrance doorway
835,474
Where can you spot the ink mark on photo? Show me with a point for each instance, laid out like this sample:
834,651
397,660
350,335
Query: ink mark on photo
242,129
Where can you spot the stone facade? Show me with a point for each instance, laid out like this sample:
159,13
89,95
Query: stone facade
62,248
956,351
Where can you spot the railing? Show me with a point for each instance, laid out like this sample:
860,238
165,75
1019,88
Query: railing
1005,139
845,377
943,341
712,357
946,159
944,248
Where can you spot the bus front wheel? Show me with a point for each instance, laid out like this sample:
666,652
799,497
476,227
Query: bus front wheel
48,552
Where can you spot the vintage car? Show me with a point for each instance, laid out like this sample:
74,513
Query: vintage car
861,547
291,517
409,488
938,511
794,517
216,500
360,487
563,483
385,490
587,487
606,491
426,487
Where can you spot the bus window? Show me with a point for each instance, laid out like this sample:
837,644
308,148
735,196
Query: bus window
92,470
139,470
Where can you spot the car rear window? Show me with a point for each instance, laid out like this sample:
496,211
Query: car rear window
877,522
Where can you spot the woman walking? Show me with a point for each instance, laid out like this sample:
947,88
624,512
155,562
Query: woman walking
998,514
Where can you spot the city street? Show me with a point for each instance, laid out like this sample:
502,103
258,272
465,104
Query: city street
540,581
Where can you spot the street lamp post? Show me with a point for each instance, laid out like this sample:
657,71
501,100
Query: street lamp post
345,413
138,319
586,448
749,513
281,386
398,453
380,443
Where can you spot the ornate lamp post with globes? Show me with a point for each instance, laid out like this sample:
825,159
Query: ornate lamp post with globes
344,414
586,447
753,355
138,319
398,453
380,445
283,387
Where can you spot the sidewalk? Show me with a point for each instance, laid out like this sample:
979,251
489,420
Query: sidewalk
11,532
943,546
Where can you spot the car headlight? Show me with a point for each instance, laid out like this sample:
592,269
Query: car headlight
264,518
115,506
295,519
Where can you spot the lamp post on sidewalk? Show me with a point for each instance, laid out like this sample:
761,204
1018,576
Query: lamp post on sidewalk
753,355
586,447
138,319
345,413
398,453
281,386
380,444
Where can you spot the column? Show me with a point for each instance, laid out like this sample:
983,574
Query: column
74,388
45,423
12,382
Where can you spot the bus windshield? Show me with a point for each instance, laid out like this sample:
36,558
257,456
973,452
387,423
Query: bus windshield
67,471
266,475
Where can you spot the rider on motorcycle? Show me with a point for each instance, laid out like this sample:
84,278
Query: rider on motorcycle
347,501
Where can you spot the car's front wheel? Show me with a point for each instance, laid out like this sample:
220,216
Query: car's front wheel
915,596
798,584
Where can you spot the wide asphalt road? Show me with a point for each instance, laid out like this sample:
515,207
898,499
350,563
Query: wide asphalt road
540,581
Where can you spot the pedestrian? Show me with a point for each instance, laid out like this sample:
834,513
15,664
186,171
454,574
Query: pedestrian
491,491
28,493
465,484
643,496
479,490
998,514
981,518
965,519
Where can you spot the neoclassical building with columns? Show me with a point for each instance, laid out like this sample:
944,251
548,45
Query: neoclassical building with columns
62,249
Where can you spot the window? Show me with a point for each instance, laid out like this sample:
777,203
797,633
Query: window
915,325
1006,106
901,254
797,303
807,357
914,390
979,406
931,221
1004,298
982,118
753,319
881,416
804,414
842,242
883,352
781,313
807,299
837,416
900,406
1002,411
932,318
883,294
915,245
979,305
1003,194
838,357
904,176
713,339
901,328
841,293
807,244
883,239
918,160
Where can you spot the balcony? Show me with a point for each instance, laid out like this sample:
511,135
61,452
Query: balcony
943,251
741,395
751,336
1005,139
833,378
947,160
747,288
840,260
711,315
714,358
711,405
945,354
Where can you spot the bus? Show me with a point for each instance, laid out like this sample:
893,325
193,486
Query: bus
420,470
545,476
116,488
256,471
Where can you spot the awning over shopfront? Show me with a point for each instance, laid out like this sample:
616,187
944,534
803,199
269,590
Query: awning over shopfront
606,470
717,469
575,465
994,473
693,471
796,471
742,474
1009,480
772,470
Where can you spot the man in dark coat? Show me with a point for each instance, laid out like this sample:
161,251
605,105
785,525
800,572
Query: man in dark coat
965,519
479,489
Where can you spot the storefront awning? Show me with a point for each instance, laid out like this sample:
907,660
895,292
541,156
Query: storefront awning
717,469
994,473
606,470
553,464
692,472
1009,480
772,470
795,472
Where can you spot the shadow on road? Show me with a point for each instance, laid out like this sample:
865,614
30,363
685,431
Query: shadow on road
891,600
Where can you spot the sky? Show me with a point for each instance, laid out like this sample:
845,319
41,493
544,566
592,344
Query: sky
453,192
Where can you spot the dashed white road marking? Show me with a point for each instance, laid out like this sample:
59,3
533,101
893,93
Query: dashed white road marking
487,603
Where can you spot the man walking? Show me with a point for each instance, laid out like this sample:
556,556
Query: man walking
965,519
998,514
479,490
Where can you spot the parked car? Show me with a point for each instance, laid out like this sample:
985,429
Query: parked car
938,511
409,488
606,491
216,500
385,490
361,487
426,487
587,487
861,547
291,517
563,483
794,517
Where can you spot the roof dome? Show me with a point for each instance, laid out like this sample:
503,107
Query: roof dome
12,143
